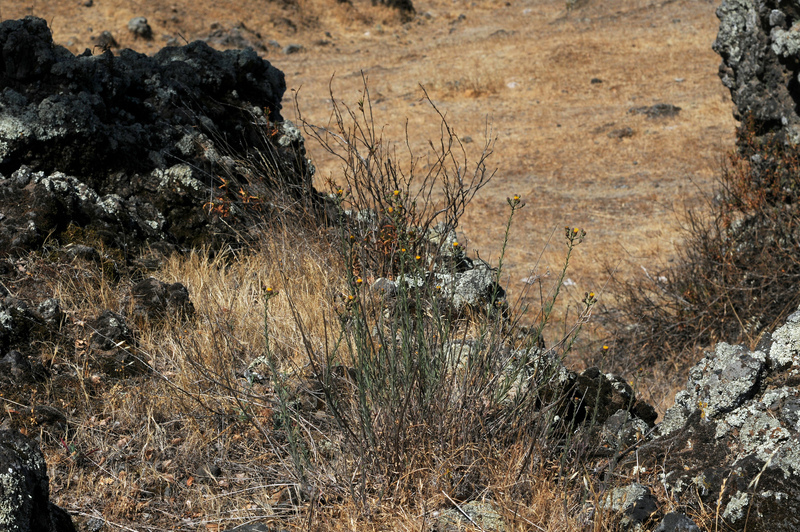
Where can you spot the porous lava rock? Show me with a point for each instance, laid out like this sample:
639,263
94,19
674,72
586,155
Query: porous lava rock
25,488
732,437
759,43
156,300
137,149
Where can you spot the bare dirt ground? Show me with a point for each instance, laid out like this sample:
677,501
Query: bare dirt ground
554,86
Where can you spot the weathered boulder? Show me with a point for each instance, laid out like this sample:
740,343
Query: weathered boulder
25,489
732,438
759,43
139,149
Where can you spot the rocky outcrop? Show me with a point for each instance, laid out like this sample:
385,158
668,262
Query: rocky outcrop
732,438
25,490
759,43
136,149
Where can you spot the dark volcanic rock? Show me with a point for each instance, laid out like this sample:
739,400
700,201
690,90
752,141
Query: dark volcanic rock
156,300
18,324
760,49
239,36
659,110
676,522
135,148
732,436
25,488
113,347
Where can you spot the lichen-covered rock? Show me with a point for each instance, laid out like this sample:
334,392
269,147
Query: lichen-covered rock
759,43
139,149
634,502
25,490
733,436
676,522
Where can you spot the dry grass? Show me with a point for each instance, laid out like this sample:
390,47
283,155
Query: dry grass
138,449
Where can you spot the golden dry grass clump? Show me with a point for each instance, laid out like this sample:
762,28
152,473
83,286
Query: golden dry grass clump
203,442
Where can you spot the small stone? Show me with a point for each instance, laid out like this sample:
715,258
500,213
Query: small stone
385,287
140,28
95,524
622,133
659,110
292,49
106,40
677,522
50,311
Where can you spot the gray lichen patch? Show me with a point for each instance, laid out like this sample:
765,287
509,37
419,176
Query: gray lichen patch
177,177
736,507
785,347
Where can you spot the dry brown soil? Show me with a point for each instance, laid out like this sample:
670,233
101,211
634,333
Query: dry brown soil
525,67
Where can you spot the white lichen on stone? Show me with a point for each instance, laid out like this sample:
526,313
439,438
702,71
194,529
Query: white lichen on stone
178,176
290,134
786,43
6,320
736,507
785,341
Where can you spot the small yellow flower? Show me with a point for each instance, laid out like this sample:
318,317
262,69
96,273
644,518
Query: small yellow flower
396,193
403,250
605,348
350,297
575,230
591,294
418,257
390,210
359,280
456,244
